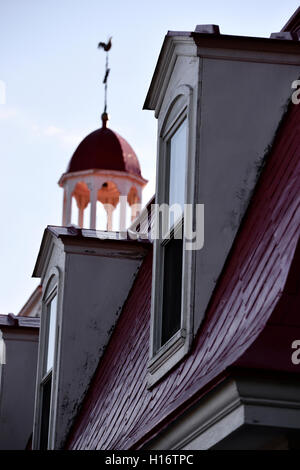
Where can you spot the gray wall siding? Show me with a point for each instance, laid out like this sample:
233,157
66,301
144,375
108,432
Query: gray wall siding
240,107
17,388
95,291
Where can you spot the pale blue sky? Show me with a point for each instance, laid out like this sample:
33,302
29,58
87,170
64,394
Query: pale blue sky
53,70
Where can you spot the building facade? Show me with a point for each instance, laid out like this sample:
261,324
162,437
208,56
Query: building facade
183,331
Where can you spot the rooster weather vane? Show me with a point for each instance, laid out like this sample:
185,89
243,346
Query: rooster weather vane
106,47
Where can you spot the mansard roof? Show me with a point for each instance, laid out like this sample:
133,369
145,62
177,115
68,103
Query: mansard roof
120,411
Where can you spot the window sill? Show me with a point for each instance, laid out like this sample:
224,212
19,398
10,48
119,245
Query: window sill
167,357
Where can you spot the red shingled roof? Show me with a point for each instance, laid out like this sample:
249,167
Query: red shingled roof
119,410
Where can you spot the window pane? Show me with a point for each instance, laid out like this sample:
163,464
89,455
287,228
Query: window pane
171,315
46,399
51,318
177,153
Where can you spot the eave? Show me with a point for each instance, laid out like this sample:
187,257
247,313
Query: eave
223,46
118,244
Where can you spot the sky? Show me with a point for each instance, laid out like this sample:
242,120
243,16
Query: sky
51,97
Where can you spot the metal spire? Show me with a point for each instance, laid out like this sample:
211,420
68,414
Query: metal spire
106,47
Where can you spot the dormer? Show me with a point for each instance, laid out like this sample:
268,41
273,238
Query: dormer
86,276
224,96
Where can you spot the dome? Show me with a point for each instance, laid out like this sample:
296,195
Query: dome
104,149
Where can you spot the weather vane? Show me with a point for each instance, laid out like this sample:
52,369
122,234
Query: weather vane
106,46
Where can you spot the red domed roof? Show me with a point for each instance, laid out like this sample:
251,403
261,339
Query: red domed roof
104,149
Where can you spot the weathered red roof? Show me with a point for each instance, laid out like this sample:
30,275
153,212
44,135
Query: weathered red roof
104,149
119,411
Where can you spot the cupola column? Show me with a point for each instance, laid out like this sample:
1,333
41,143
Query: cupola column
67,204
136,204
80,216
64,214
135,210
123,207
109,208
93,201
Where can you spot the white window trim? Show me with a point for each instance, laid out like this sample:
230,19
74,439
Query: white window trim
50,297
162,360
52,289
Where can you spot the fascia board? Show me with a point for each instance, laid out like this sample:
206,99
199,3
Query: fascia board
173,46
46,249
108,248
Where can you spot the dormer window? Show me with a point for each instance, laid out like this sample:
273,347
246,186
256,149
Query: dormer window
177,165
172,244
50,309
171,325
46,363
51,324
